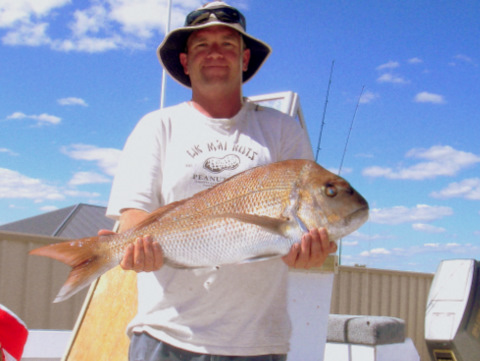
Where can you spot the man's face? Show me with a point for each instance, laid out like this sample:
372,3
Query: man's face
215,55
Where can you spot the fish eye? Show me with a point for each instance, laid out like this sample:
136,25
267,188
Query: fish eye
330,190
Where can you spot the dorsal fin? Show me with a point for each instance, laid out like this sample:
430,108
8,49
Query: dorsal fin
159,213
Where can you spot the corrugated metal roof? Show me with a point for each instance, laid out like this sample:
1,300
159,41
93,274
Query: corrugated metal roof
77,221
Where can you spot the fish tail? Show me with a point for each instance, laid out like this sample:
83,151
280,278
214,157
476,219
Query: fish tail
85,258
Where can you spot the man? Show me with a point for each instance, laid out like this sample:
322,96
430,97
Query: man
235,312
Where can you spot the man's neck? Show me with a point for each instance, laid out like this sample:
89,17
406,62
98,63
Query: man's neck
217,105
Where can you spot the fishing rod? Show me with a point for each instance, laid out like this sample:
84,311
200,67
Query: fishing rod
341,164
350,131
324,111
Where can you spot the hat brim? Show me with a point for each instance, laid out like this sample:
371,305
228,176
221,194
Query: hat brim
169,50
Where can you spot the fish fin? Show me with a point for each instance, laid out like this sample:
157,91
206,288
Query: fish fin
159,213
274,225
291,211
83,256
263,257
300,223
175,265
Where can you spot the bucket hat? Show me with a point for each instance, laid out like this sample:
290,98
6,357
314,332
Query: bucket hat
212,14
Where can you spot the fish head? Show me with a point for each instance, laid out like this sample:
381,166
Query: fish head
330,201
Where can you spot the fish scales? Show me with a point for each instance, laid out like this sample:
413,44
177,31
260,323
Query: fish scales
257,195
257,214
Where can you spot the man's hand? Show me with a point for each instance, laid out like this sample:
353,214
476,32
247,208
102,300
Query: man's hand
143,255
312,251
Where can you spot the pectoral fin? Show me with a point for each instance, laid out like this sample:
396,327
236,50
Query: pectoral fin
273,225
264,257
300,223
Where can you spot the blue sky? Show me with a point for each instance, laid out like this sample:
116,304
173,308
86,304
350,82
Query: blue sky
76,76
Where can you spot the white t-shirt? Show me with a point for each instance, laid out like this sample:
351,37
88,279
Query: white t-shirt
172,154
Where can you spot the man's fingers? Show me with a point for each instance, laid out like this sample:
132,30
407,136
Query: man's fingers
153,257
105,232
143,255
333,247
127,261
305,251
291,257
138,255
158,256
317,243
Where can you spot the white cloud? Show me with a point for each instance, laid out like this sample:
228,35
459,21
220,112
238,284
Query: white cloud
81,178
40,119
427,248
18,11
16,185
368,97
367,237
80,194
375,252
140,17
426,97
401,214
72,101
8,151
48,208
91,20
89,44
391,78
452,245
28,34
440,161
427,228
389,65
464,58
100,26
349,243
467,189
106,158
415,61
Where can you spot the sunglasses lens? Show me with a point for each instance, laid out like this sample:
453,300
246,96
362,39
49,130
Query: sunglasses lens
225,15
197,17
230,16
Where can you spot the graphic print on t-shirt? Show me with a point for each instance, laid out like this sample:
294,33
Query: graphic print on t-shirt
218,160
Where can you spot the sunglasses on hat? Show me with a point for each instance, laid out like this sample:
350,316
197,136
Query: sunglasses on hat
225,15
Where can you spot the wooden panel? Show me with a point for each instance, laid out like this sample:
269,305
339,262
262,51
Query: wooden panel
100,330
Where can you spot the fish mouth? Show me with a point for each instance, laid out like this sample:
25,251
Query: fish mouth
360,215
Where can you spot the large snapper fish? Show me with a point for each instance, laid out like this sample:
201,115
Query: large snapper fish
255,215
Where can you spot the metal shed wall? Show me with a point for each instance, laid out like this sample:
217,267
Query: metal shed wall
366,291
29,284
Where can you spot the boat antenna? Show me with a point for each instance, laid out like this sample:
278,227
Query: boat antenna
324,111
350,131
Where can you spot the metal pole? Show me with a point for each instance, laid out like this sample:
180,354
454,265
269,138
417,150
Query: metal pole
164,73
